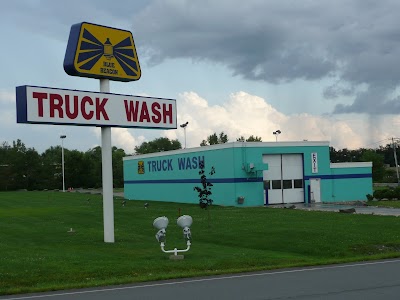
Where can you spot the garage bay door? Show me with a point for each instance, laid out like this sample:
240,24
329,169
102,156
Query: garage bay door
283,180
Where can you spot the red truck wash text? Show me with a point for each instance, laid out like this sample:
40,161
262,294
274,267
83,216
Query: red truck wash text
139,111
87,106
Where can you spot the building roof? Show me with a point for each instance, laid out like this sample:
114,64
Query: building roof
232,145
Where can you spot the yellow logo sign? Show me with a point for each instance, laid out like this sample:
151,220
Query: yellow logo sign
101,52
140,167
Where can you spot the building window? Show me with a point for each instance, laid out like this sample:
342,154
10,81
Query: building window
287,184
298,183
276,184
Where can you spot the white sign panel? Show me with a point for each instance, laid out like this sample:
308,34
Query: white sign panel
41,105
314,162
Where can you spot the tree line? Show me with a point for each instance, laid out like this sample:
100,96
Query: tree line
25,168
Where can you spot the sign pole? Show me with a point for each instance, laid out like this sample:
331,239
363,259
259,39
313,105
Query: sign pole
107,172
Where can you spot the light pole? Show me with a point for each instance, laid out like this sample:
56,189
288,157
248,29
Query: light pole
62,137
394,143
184,129
276,133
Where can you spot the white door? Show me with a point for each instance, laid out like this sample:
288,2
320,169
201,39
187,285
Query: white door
315,190
273,179
283,179
292,176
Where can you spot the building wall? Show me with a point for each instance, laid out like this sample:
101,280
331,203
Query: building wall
352,181
176,181
172,176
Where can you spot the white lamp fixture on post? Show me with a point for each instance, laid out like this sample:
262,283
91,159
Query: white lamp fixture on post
62,137
184,130
161,224
276,133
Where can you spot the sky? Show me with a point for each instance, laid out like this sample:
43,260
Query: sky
317,70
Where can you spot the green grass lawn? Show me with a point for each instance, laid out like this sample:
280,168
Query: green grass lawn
385,203
37,252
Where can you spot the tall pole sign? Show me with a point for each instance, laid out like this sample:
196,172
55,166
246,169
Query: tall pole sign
104,53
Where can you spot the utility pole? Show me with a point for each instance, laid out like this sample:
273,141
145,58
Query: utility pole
395,161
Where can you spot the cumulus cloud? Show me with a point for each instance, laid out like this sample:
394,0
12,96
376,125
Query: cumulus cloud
7,97
121,138
244,115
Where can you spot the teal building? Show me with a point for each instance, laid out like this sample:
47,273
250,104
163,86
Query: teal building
248,174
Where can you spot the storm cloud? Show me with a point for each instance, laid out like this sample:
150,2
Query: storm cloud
354,43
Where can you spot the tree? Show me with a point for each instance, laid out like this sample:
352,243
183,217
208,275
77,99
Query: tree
118,173
215,139
5,167
378,167
345,155
158,145
93,156
77,169
251,138
51,171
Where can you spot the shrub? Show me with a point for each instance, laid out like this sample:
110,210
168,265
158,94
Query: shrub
378,194
396,192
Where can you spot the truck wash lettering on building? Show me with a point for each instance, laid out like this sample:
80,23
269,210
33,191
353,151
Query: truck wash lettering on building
160,165
183,163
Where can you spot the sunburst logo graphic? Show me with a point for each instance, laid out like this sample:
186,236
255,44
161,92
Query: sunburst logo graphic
101,52
91,50
140,167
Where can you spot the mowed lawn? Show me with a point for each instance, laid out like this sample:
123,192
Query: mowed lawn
38,253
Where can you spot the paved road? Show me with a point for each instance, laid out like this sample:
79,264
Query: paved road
367,281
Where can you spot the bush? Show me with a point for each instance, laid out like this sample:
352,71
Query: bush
387,193
396,192
378,194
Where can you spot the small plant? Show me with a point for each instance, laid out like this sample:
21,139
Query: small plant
370,197
204,191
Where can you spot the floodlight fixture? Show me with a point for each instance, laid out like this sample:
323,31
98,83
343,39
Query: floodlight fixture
185,222
161,224
276,133
184,125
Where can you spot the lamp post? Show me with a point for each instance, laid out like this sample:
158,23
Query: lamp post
276,133
394,143
62,137
184,129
